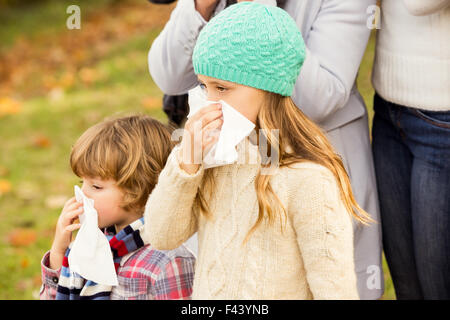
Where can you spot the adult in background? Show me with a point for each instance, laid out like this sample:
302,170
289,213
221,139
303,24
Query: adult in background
411,144
175,106
336,34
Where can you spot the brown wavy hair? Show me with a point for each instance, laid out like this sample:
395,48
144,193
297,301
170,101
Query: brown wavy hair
299,140
131,150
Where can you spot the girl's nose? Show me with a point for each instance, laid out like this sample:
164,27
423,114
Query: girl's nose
213,97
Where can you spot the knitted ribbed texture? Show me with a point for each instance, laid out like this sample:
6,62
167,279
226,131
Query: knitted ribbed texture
251,44
310,257
412,61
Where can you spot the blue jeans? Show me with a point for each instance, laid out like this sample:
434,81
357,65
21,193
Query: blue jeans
411,151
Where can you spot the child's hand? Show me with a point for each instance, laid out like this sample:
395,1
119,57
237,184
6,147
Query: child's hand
64,228
201,132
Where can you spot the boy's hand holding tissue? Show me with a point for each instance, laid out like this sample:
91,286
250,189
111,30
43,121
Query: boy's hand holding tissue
64,228
201,132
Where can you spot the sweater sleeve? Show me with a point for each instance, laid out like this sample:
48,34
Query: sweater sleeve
324,236
50,279
169,217
425,7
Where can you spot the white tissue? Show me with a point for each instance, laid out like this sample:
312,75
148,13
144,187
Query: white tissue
90,255
235,128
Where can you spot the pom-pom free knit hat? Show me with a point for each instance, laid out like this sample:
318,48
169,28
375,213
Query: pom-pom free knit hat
252,44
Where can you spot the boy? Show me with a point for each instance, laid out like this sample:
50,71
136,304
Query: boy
119,161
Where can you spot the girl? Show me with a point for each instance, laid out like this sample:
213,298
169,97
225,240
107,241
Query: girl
336,36
119,161
287,235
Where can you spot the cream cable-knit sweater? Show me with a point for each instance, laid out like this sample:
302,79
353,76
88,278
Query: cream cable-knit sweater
412,61
311,259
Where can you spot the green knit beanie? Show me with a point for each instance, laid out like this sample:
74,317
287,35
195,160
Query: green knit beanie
252,44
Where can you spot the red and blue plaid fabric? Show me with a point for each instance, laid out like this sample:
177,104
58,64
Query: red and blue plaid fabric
145,273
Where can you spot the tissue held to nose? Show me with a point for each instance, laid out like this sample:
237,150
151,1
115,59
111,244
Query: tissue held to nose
235,128
90,255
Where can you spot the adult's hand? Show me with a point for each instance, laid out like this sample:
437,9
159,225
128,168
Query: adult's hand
206,8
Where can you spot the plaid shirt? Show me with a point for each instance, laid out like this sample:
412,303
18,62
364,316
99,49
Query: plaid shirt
145,274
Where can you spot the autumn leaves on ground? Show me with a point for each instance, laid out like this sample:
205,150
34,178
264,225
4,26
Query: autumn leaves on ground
54,84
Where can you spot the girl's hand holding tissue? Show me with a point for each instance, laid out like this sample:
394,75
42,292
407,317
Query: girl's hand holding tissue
64,228
201,132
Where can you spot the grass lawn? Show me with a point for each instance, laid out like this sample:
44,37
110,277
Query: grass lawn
48,101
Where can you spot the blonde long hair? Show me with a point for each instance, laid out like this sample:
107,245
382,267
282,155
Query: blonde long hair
299,140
